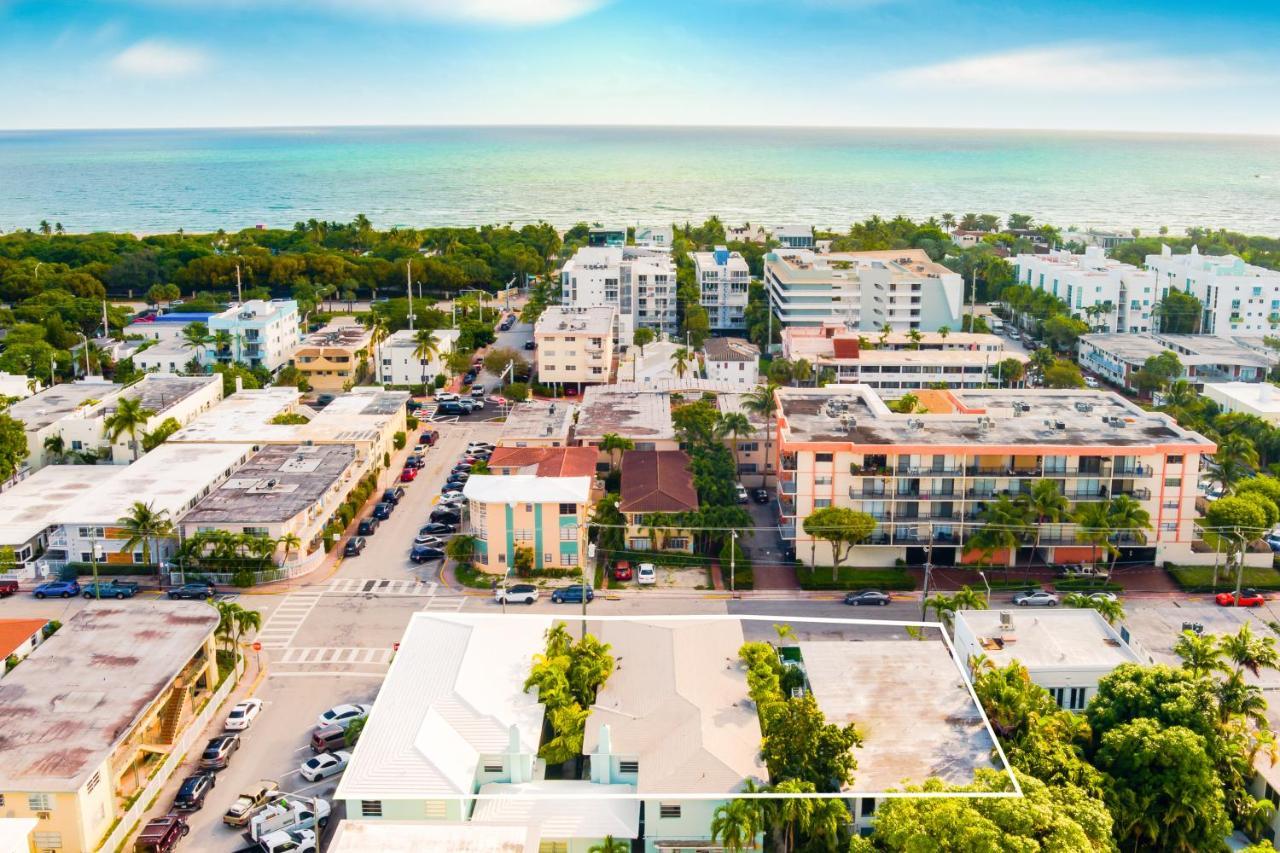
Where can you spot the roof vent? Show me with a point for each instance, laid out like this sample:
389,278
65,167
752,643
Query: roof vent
1059,424
1006,620
1082,406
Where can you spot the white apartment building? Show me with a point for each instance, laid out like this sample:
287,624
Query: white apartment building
794,236
640,284
262,333
1237,298
575,345
732,360
1109,295
863,290
653,236
1260,399
724,280
398,364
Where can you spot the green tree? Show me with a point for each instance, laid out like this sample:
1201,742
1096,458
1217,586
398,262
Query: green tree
145,525
461,548
1093,526
800,744
642,337
13,445
497,360
1011,372
1201,654
56,446
1231,523
737,823
615,445
680,360
1063,374
128,419
762,402
842,528
733,425
1237,456
196,336
426,347
1045,505
1157,372
158,436
1110,609
516,392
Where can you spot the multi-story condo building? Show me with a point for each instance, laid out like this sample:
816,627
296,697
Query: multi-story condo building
575,345
546,515
1109,295
258,333
399,364
864,290
927,478
639,283
1237,298
607,236
794,236
653,236
330,359
723,280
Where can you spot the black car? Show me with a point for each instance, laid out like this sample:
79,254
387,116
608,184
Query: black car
195,591
469,377
393,496
452,486
218,751
445,514
452,407
438,528
354,546
424,553
414,461
383,511
459,477
192,791
572,594
368,526
870,597
462,468
530,345
760,496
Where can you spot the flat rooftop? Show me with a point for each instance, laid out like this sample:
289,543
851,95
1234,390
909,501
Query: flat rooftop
344,333
1191,349
160,392
909,702
69,703
639,415
277,483
587,321
561,808
52,404
356,416
1059,637
537,421
1262,396
978,420
391,836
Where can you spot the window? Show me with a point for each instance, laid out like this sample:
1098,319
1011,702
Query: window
679,542
821,503
1175,459
823,457
866,807
39,802
548,558
628,766
490,767
371,808
93,783
435,809
1172,482
47,840
568,509
668,810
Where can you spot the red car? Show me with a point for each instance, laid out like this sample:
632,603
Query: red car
622,571
408,475
429,437
1248,598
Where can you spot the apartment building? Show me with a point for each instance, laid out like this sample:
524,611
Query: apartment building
546,515
399,364
751,451
258,333
656,481
653,236
607,236
723,279
1205,358
538,424
98,708
165,327
794,236
1109,295
732,360
927,478
1237,298
642,416
902,288
331,359
1259,399
575,345
639,283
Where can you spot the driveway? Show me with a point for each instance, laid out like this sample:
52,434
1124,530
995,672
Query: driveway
771,568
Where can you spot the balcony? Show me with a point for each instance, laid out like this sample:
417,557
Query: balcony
788,487
1132,471
917,471
869,470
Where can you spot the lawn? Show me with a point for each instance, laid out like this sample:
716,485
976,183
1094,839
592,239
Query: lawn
854,578
1200,578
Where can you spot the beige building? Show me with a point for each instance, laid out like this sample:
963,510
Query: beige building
656,482
575,345
538,424
332,358
753,451
642,416
547,515
90,715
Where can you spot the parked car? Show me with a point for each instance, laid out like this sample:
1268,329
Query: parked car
452,500
438,528
477,390
428,539
646,574
446,514
194,591
57,589
469,377
8,588
368,526
520,593
288,841
243,714
328,738
479,445
324,765
1247,598
382,511
460,477
1035,598
443,396
1102,596
408,475
453,407
572,594
354,545
110,589
760,496
250,800
429,436
192,791
414,460
866,597
1273,540
530,345
217,752
622,571
425,553
343,715
743,497
452,486
161,834
393,495
1090,382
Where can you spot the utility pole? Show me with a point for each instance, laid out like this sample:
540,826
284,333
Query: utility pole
928,573
973,299
106,328
733,553
239,294
408,287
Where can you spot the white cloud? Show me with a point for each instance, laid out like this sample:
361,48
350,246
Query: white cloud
157,58
1074,67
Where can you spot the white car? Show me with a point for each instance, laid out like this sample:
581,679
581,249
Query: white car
452,498
479,445
323,765
520,593
646,574
429,541
343,715
1090,382
443,396
242,715
289,841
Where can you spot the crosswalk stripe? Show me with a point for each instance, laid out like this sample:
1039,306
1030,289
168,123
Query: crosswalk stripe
335,655
381,586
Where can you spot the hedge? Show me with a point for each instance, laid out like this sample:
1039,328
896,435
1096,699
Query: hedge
854,578
112,570
1200,578
1086,585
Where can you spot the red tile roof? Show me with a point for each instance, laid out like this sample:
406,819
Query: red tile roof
15,632
657,481
550,461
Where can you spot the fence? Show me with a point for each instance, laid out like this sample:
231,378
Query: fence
288,571
192,733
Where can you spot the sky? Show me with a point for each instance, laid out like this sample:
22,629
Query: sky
1127,65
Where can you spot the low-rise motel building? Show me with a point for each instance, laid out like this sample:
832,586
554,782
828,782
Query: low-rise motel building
546,515
331,358
96,709
926,478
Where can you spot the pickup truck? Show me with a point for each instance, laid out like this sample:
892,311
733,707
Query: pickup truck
110,589
250,800
289,841
8,588
288,812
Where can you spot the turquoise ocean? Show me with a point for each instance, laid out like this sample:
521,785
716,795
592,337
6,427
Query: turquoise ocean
161,180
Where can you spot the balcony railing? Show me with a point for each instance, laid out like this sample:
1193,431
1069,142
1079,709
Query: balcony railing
788,487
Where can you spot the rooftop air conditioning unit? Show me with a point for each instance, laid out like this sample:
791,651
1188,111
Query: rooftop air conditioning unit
1006,620
1082,406
1059,425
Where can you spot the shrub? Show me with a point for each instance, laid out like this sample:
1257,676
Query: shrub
440,380
397,441
411,422
516,392
854,578
1200,578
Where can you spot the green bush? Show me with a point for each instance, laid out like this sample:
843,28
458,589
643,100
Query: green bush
743,574
411,422
112,570
419,390
243,578
1200,578
1086,585
440,381
854,578
397,441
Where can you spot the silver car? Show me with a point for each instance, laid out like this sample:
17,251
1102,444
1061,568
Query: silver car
1038,598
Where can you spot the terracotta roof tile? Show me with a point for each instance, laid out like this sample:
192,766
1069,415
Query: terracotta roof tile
15,632
550,461
657,481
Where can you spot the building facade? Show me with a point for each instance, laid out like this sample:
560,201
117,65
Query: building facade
546,515
732,360
724,280
258,333
332,358
1204,358
1236,298
401,367
640,284
575,345
1110,296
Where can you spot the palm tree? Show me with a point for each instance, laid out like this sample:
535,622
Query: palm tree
1201,653
1250,652
828,822
969,599
1004,527
915,337
144,524
679,362
1109,608
291,542
1127,517
1236,457
736,824
243,621
760,401
609,844
196,336
45,228
612,443
733,424
801,371
226,621
426,347
1045,505
885,331
943,331
129,419
948,221
222,342
1093,525
792,814
943,607
56,446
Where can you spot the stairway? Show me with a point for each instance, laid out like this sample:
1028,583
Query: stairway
171,716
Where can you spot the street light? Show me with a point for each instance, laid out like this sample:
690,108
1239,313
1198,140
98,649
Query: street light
985,583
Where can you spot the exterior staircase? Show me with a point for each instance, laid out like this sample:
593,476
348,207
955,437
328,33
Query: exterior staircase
171,715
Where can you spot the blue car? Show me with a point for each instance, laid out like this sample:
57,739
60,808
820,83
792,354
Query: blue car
572,594
57,589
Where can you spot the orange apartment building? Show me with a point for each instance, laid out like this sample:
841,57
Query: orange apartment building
926,478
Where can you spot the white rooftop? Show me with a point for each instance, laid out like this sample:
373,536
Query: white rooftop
356,416
1260,396
561,808
453,693
539,421
560,320
447,338
56,402
1060,637
527,488
678,703
392,836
